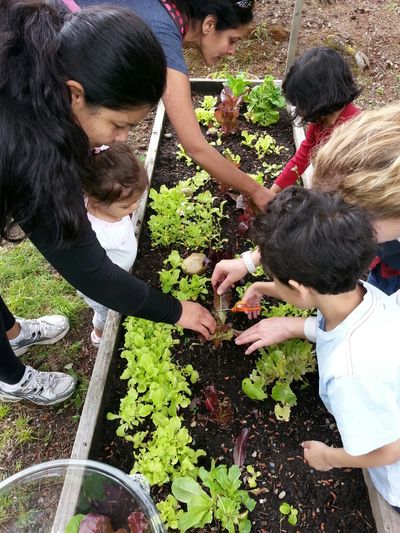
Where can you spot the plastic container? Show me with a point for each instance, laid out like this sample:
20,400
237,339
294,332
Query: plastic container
45,497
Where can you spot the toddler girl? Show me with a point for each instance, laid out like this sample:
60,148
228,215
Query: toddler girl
120,182
321,87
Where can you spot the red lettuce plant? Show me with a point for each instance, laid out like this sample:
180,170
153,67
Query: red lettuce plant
228,110
218,405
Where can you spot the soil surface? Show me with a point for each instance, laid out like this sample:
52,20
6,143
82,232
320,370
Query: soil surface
334,501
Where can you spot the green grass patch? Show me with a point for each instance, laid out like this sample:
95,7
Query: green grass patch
31,288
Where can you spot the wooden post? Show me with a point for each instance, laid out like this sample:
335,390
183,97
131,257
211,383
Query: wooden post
294,34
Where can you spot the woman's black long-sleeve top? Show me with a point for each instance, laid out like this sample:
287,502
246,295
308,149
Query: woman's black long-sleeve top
86,266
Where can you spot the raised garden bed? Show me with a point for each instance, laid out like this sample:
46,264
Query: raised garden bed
329,502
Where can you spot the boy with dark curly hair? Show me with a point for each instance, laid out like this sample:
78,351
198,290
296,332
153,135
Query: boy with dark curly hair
316,247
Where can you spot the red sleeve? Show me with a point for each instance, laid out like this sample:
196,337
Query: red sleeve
314,136
300,160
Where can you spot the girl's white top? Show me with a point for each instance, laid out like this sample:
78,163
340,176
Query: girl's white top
117,238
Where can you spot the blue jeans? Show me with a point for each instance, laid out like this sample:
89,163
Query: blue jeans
387,285
397,509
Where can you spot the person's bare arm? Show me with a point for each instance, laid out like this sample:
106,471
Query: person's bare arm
178,104
322,457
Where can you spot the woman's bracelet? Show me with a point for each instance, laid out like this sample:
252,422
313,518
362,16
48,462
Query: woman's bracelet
248,261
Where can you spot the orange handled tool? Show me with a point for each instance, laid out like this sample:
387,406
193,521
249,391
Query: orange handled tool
242,307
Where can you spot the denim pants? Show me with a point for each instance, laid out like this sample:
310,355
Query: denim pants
99,312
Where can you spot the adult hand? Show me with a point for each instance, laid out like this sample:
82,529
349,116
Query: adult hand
226,273
271,331
196,317
261,197
316,454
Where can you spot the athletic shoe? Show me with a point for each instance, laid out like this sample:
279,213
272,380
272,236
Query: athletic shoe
42,388
96,340
44,330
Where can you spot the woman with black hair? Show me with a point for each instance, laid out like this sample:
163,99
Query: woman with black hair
214,28
68,83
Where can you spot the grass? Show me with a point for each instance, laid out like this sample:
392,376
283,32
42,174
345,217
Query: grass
16,432
32,288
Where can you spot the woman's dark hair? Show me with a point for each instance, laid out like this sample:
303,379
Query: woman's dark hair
118,174
229,13
319,83
315,239
44,155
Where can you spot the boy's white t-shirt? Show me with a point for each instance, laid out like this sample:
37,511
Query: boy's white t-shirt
359,381
117,238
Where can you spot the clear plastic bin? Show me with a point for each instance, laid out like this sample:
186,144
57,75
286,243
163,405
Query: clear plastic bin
45,497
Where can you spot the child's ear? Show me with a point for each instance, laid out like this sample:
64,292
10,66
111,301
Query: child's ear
302,292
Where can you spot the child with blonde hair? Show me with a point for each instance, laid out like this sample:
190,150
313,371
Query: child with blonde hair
362,163
110,201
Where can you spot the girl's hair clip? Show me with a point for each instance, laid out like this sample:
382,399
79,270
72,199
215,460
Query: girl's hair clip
244,4
99,149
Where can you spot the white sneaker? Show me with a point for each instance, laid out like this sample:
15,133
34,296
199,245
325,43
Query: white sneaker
42,388
44,330
95,339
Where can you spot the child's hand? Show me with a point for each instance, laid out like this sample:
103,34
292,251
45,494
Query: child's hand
226,273
252,297
271,331
316,454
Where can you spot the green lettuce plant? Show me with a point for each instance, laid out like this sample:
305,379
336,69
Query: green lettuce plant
182,287
264,102
167,454
157,390
278,367
238,84
223,500
205,113
186,215
266,145
249,139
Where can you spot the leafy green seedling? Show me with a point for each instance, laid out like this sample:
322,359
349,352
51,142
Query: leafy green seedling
288,510
224,501
233,158
278,367
182,155
205,113
249,139
252,477
238,85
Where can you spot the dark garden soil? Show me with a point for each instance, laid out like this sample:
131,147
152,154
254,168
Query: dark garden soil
332,502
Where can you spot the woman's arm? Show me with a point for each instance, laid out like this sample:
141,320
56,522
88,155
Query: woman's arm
178,104
87,267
